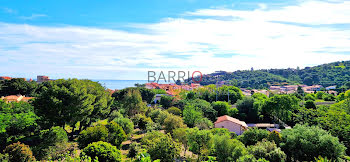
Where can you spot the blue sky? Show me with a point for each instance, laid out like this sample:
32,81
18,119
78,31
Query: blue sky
124,39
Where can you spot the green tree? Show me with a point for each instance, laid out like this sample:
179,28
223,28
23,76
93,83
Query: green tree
252,136
204,123
19,152
199,141
173,122
116,134
281,106
305,143
132,103
204,106
17,120
267,150
92,134
310,104
191,115
17,86
165,149
179,135
175,111
105,152
166,101
227,149
68,102
275,137
126,124
221,107
319,94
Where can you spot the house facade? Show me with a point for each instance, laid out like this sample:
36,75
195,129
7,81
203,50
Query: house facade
232,124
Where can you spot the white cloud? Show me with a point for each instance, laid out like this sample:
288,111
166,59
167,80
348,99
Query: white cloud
247,38
33,16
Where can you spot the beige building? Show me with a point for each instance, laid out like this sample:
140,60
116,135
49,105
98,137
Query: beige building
232,124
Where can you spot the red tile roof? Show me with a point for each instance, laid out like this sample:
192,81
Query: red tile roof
231,119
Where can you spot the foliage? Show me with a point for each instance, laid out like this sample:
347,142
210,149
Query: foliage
253,135
141,121
92,134
172,122
310,104
328,97
132,103
204,123
275,137
319,94
112,133
191,115
226,149
134,149
116,134
67,102
105,152
281,106
126,124
221,107
199,141
166,101
337,121
19,152
147,95
310,96
50,140
204,106
248,109
16,120
304,143
267,150
17,86
164,149
175,111
179,135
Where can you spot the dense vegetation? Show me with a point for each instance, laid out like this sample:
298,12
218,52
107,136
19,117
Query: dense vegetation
79,120
337,73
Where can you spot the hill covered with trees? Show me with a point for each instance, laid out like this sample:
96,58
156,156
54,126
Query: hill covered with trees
336,73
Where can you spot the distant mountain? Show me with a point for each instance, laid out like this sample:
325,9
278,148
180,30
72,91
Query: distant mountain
336,73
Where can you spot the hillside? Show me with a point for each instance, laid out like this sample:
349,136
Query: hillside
336,73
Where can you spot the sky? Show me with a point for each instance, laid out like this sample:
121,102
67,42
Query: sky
123,40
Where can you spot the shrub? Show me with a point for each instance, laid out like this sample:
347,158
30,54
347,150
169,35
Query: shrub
310,104
221,107
328,97
126,123
92,134
275,137
166,101
19,152
204,123
175,111
105,152
51,140
134,149
116,134
227,149
172,122
268,150
252,136
165,149
310,97
141,121
304,143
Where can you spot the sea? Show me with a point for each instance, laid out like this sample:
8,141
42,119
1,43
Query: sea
121,84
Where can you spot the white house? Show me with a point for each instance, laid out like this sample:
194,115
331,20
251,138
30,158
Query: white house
232,124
